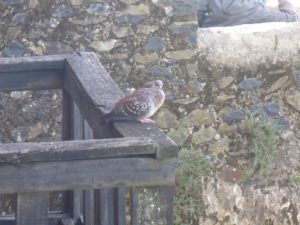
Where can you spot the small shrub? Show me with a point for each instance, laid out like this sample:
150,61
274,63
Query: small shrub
188,202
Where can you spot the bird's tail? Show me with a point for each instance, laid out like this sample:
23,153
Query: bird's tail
112,117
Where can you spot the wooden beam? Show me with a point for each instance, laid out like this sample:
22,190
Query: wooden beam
31,80
86,174
33,63
20,153
53,219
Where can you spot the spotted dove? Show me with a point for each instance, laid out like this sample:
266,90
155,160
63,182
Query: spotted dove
140,105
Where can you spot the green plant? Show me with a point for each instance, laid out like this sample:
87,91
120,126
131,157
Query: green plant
188,201
264,140
296,179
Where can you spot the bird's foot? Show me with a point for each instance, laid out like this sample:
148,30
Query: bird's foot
146,120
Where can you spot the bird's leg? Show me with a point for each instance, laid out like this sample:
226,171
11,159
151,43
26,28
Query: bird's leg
146,120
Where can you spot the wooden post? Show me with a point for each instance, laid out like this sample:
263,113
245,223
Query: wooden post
32,208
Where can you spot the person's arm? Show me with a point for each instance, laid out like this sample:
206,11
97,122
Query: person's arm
286,12
289,9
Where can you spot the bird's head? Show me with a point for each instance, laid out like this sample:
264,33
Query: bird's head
158,83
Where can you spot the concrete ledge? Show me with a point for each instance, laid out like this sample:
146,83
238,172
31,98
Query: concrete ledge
265,48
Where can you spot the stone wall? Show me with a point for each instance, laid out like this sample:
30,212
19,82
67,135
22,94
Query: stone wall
206,107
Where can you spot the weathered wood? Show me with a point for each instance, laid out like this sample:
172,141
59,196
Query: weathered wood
166,146
67,117
88,194
18,153
86,174
88,207
53,219
32,63
84,74
120,205
31,80
32,208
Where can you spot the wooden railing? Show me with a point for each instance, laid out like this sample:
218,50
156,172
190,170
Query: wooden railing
97,166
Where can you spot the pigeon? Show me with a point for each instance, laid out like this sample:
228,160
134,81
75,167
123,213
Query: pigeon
140,105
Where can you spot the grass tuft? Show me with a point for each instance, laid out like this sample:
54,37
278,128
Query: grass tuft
264,140
188,201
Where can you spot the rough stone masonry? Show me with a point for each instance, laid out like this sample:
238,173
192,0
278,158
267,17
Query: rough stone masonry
210,91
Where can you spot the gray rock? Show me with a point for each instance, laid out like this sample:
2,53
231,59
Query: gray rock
251,83
183,8
14,2
76,2
160,71
99,8
123,67
204,135
224,82
103,45
199,117
179,135
134,14
185,54
15,49
154,43
33,3
146,29
270,109
165,119
13,33
56,47
219,146
147,58
233,117
191,40
296,76
63,12
293,100
122,31
19,18
194,87
278,84
129,2
183,27
282,123
130,18
192,69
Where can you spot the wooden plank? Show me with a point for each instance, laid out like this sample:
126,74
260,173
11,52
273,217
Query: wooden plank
88,194
86,174
107,207
18,153
32,208
84,76
32,63
77,194
166,146
31,80
67,117
53,219
88,207
120,205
